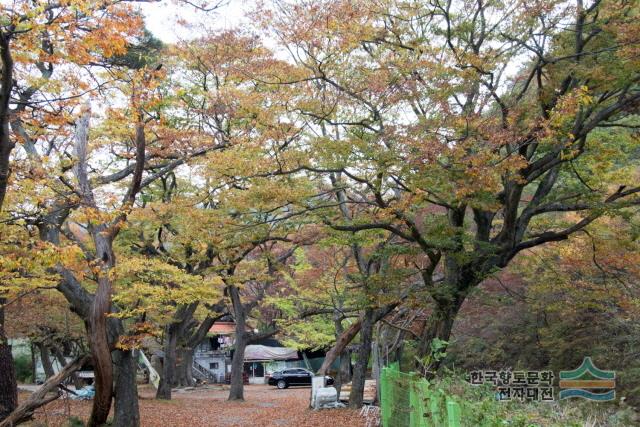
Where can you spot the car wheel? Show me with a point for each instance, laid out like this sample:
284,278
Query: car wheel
281,384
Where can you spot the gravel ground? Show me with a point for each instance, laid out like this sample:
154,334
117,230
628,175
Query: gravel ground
263,406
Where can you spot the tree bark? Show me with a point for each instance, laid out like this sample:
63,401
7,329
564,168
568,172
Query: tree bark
168,362
6,144
343,340
175,339
101,352
439,325
8,385
348,335
184,367
362,360
45,358
8,382
344,373
126,409
236,391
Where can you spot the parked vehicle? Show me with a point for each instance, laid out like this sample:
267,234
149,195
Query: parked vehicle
294,376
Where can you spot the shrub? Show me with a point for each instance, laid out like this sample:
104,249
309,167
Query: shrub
22,364
75,422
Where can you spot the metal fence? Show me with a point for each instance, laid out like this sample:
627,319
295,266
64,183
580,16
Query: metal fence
406,400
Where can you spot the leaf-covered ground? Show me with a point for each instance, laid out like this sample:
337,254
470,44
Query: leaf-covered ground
263,406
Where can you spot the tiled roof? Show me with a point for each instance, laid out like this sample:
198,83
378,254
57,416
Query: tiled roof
223,328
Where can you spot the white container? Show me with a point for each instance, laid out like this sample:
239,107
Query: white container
325,397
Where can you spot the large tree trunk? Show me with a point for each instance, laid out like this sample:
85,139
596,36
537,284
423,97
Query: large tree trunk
362,360
439,326
168,362
126,409
6,144
344,373
237,363
126,394
8,386
175,337
343,340
236,392
101,353
184,367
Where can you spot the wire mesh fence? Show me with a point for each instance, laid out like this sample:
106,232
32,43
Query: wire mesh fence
407,401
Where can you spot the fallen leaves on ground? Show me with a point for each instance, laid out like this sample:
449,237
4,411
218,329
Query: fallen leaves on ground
263,407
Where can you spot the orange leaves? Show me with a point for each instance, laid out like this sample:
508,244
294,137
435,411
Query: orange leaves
80,31
136,334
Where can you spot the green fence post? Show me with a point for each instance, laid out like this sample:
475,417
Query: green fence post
413,402
453,413
423,390
384,397
434,406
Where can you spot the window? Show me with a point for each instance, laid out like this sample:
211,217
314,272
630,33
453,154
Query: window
213,365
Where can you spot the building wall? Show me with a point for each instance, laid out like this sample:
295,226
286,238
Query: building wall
214,363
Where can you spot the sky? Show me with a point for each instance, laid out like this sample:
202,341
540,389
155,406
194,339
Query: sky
163,18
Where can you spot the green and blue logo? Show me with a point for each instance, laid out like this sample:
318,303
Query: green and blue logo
582,381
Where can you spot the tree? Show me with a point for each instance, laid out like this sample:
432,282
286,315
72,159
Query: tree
243,207
73,221
34,39
452,146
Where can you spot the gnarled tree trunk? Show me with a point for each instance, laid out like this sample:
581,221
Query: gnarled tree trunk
184,367
8,386
440,323
126,409
101,353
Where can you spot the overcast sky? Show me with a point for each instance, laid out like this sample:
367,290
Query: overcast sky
162,19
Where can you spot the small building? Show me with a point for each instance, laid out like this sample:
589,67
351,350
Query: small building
212,357
260,361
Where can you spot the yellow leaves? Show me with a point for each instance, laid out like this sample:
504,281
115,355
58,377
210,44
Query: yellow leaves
88,215
152,286
557,129
24,262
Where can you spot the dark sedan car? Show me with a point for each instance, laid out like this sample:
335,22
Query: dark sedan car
294,376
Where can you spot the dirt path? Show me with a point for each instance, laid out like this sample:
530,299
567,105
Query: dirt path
263,406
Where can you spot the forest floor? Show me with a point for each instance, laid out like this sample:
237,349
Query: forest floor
263,406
